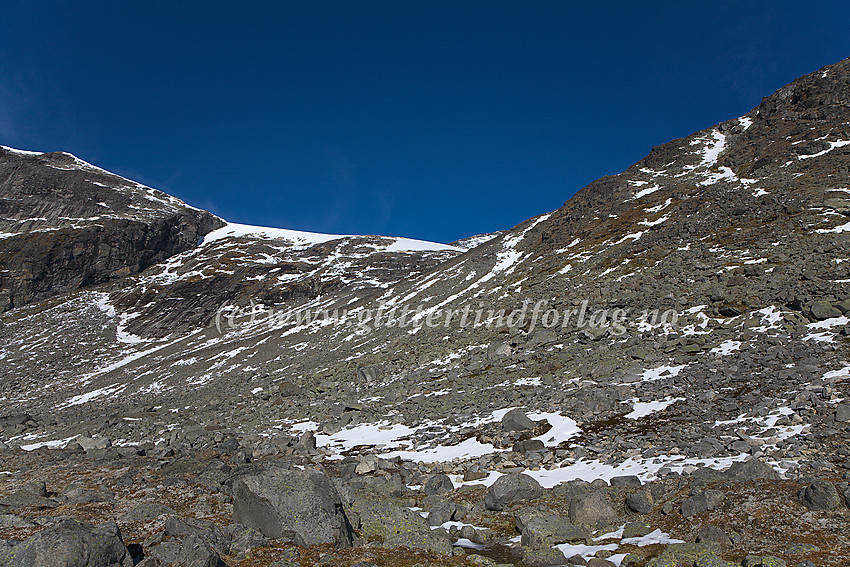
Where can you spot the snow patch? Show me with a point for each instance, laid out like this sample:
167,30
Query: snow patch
648,191
642,409
303,238
832,146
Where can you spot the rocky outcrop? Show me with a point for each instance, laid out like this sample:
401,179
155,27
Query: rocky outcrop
67,225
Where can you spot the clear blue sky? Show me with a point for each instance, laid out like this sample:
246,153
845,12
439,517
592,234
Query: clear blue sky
428,119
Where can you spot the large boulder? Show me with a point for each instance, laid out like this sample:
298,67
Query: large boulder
70,544
26,499
640,501
301,506
546,530
437,484
699,502
383,519
751,469
593,509
516,420
820,310
514,487
195,552
820,495
712,534
214,536
431,541
842,413
441,512
543,556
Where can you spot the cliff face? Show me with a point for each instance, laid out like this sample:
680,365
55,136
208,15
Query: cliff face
65,225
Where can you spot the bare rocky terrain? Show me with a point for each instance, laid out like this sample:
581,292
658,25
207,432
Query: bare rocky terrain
654,374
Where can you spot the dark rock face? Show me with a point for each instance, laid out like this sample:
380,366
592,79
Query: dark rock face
70,543
302,506
68,225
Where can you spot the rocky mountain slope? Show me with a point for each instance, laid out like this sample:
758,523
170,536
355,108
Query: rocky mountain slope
676,335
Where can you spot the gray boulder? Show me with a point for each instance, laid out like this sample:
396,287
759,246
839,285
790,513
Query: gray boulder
593,509
546,530
441,512
181,528
167,552
842,413
70,544
543,557
516,420
437,484
820,495
383,519
712,534
631,480
431,541
243,538
26,499
640,501
820,310
701,502
195,552
37,487
751,469
511,488
299,505
528,446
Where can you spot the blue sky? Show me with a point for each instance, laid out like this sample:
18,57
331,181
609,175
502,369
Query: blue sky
434,120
